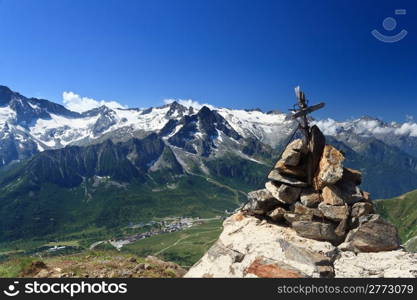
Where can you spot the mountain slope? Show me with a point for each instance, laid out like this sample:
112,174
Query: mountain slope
387,171
105,185
402,212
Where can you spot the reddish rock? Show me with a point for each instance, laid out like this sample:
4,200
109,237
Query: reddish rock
265,269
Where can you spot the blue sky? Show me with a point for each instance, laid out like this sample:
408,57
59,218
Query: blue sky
239,54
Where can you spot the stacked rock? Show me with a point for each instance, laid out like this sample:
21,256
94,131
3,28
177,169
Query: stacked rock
310,190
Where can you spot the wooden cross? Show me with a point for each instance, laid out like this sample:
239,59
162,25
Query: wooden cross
303,110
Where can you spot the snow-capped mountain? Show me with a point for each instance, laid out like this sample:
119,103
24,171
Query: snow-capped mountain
30,125
356,132
111,166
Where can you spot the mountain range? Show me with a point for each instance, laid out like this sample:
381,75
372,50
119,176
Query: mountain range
63,171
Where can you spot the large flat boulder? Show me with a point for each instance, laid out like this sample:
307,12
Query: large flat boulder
249,248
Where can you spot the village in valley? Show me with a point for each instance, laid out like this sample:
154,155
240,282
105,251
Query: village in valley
152,228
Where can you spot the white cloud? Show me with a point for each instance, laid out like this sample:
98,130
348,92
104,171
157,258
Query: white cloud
328,126
189,103
368,127
75,102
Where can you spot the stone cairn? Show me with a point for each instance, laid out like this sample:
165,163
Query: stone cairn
311,191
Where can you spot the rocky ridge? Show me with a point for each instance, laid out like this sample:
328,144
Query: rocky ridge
311,220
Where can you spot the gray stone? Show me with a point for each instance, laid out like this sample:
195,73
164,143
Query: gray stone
360,209
282,192
268,250
316,146
276,176
292,217
350,192
351,175
260,202
333,212
304,210
277,214
273,188
315,230
292,154
374,234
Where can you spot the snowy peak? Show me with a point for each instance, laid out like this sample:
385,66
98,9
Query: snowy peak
6,95
28,109
178,110
211,122
200,133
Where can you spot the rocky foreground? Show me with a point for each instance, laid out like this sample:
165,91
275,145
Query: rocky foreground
92,264
250,247
311,220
